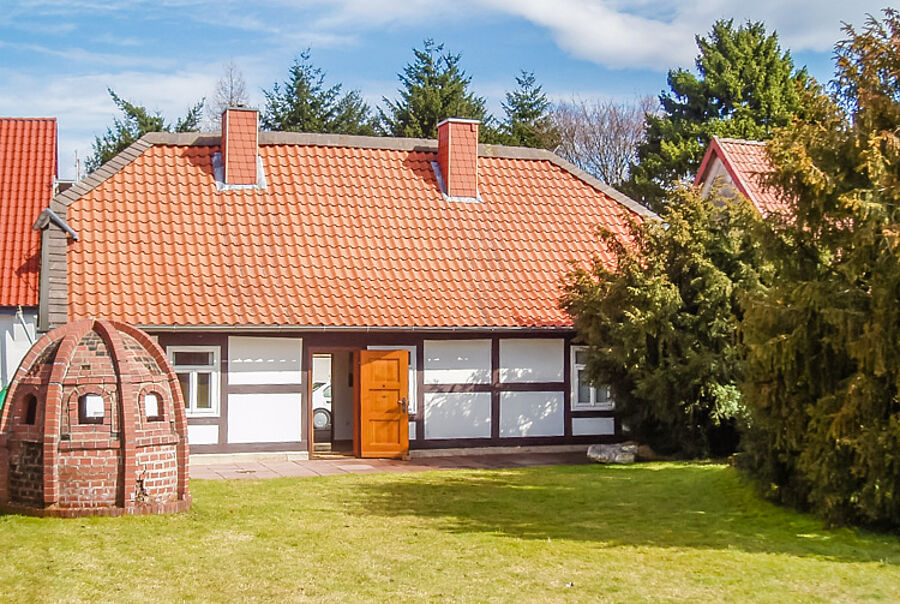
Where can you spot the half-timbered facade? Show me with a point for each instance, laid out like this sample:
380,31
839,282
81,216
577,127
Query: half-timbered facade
374,294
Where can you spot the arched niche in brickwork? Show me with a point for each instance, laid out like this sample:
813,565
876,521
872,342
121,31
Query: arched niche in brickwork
94,425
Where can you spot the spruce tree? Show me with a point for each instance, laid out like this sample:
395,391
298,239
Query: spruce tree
823,380
528,121
304,103
135,122
661,326
747,87
434,87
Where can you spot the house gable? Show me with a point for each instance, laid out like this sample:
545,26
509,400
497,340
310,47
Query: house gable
743,167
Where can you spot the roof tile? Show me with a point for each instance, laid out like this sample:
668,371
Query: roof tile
341,236
748,163
27,178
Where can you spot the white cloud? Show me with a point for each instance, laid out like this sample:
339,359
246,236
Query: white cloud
656,34
83,107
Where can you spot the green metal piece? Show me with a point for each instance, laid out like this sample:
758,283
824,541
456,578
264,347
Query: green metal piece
2,397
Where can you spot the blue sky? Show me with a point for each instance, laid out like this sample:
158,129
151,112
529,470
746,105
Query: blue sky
58,57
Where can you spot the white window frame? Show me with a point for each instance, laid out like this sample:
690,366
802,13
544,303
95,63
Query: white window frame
594,404
214,370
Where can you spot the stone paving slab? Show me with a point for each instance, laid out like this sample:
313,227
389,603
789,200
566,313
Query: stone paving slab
243,469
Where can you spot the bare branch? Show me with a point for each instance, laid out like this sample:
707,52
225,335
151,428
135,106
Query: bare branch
601,136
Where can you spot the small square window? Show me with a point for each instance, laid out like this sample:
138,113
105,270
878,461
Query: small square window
91,409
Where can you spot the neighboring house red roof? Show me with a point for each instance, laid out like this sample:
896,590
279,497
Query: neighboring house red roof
348,232
747,163
27,178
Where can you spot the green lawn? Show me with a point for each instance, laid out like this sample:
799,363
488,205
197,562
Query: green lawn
660,532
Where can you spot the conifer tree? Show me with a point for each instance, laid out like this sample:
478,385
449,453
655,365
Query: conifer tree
823,380
528,121
661,327
135,122
434,87
303,103
746,88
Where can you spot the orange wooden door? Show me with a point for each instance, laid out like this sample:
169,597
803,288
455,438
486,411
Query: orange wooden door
383,405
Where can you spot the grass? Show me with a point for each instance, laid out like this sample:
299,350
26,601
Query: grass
658,532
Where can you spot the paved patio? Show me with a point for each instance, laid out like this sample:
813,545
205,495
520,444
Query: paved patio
237,468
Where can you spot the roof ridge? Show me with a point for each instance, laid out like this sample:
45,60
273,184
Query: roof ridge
389,143
742,141
27,119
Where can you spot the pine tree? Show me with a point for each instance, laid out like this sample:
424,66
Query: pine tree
823,380
434,87
303,103
661,327
135,122
528,122
746,88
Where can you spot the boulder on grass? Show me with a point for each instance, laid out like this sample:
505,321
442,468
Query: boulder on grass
620,453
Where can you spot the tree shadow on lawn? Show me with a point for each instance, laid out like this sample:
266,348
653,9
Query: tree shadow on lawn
661,505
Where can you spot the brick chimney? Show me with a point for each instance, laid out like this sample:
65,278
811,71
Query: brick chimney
240,137
458,156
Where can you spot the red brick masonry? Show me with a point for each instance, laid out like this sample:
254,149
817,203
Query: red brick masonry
55,461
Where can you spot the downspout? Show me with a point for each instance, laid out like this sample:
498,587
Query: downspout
21,316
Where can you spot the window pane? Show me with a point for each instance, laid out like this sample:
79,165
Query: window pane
185,380
93,406
193,358
603,394
204,399
584,388
581,357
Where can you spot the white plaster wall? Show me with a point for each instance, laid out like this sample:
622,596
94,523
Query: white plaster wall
412,395
15,341
254,360
457,361
264,418
412,430
203,435
593,426
531,414
531,360
342,396
321,367
457,415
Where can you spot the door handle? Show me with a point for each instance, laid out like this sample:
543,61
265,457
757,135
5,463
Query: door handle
402,402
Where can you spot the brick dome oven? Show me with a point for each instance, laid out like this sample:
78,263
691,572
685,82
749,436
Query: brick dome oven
94,424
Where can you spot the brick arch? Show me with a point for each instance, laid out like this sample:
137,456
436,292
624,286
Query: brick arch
142,467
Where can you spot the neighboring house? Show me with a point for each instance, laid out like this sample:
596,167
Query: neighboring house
741,165
27,182
424,274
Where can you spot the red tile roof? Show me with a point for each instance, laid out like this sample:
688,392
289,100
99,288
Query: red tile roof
341,236
27,176
747,163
